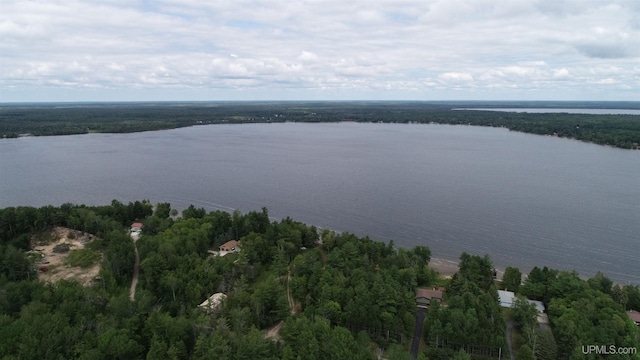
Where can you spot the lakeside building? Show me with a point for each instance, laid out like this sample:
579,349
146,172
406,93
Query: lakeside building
230,246
508,298
136,226
635,316
425,297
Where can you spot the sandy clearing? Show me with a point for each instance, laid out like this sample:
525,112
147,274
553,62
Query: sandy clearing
55,262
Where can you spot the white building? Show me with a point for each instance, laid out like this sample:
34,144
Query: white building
508,298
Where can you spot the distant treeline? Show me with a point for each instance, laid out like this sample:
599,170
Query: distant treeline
65,119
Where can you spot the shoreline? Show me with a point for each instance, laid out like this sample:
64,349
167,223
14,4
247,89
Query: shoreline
447,268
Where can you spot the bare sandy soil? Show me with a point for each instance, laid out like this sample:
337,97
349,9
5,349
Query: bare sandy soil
448,268
444,267
54,262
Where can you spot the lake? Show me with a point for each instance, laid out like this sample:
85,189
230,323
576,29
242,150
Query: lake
524,199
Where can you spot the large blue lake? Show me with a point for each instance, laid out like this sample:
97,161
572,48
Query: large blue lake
523,199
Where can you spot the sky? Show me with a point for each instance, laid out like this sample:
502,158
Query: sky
208,50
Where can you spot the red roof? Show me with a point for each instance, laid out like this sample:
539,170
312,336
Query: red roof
136,224
229,244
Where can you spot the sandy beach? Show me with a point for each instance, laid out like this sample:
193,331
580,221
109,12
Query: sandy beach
444,267
449,267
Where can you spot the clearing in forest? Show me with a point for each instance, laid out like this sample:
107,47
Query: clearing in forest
62,254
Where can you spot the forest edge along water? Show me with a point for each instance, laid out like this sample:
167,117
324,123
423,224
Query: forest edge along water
604,123
525,200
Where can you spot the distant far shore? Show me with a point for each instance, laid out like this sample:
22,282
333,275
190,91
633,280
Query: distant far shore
618,130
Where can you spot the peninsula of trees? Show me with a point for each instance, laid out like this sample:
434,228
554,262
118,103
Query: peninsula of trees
292,292
63,119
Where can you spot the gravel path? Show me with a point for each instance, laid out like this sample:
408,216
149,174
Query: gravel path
136,267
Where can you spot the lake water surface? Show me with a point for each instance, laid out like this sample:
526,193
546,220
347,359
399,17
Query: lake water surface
523,199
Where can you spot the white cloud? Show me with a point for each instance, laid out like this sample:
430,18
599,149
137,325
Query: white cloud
319,49
561,73
456,76
607,81
308,56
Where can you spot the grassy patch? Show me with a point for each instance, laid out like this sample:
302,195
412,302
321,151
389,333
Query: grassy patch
45,238
263,276
95,245
506,314
231,257
34,256
83,258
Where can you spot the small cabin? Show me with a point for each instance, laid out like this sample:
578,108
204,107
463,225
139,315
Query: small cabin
230,246
136,226
635,316
507,298
425,297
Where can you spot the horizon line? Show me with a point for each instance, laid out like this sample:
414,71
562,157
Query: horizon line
311,101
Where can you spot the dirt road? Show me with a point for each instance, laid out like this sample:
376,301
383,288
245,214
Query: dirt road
136,267
274,331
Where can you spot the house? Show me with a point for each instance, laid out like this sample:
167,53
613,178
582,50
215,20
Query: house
424,297
543,318
507,299
230,246
136,226
635,316
213,302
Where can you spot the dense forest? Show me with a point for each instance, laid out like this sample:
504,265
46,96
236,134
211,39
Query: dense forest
63,119
292,292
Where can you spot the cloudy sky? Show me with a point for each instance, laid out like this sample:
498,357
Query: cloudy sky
138,50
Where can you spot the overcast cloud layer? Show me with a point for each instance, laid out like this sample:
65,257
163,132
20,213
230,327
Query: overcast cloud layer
130,50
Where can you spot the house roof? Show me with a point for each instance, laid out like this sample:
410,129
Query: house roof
634,315
136,224
230,244
506,298
429,293
539,305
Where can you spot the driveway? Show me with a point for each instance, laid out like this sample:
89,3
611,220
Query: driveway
417,332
